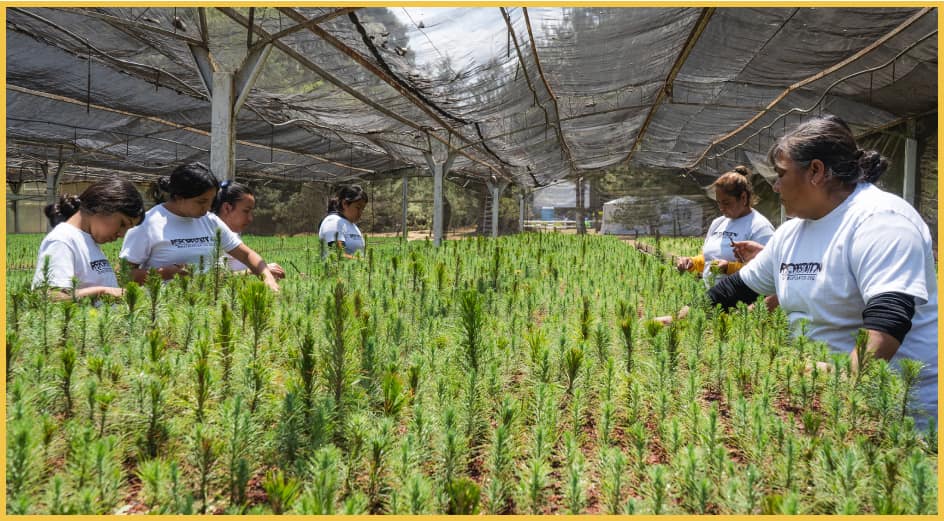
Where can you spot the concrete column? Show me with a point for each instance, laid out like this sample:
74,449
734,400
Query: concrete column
406,194
16,188
521,201
496,187
439,172
581,226
911,165
52,182
223,127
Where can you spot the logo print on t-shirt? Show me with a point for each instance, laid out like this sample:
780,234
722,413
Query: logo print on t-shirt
100,266
193,242
800,270
727,235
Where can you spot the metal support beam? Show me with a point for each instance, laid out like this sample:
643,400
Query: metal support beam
223,128
205,66
496,187
911,164
406,201
15,188
439,172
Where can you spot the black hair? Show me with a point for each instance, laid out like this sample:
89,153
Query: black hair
230,192
348,194
101,198
184,182
829,139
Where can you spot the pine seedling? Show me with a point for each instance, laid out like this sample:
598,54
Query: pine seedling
205,451
472,320
256,301
104,399
203,378
378,489
153,475
338,369
573,358
22,460
462,497
237,436
910,373
920,487
133,296
154,283
393,397
614,471
225,341
280,492
67,358
14,348
322,495
501,460
289,430
418,494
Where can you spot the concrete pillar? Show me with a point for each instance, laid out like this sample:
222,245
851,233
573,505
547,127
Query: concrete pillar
223,127
439,172
521,202
496,187
52,182
581,226
16,188
406,194
911,165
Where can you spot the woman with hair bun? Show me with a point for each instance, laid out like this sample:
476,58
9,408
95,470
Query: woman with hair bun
739,222
339,228
101,214
853,257
234,204
181,232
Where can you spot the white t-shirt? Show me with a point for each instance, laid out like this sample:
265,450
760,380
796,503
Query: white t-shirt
232,263
73,253
164,239
826,271
335,227
750,227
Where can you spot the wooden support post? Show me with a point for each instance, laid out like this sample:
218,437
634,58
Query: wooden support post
522,198
581,225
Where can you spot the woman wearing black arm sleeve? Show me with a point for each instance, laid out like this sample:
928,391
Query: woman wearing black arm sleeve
854,257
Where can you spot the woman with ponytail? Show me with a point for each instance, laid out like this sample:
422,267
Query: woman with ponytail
339,228
101,214
739,222
180,232
854,256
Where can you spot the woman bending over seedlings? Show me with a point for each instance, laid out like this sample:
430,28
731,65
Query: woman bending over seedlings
234,204
339,228
181,232
854,257
103,213
738,222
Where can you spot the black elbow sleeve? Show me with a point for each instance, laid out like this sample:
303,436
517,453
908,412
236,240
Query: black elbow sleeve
731,290
890,313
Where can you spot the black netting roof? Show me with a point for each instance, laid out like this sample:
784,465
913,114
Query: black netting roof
530,95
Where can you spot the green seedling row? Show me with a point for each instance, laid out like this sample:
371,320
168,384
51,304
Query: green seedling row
514,375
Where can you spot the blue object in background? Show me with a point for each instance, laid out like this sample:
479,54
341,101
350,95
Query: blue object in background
547,213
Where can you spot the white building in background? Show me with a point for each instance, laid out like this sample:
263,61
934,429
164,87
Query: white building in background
671,215
561,196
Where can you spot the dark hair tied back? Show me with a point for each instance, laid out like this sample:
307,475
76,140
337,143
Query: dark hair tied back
829,139
104,197
185,182
230,192
741,169
61,210
347,194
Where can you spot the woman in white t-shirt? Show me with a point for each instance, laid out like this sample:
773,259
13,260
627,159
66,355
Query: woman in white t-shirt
181,232
854,256
339,228
738,222
103,213
234,204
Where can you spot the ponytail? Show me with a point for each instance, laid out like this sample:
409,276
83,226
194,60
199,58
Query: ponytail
60,211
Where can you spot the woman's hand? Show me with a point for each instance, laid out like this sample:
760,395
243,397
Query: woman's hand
269,280
277,271
719,266
746,250
684,264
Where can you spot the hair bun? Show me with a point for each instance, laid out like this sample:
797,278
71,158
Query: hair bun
163,184
68,204
871,164
743,170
